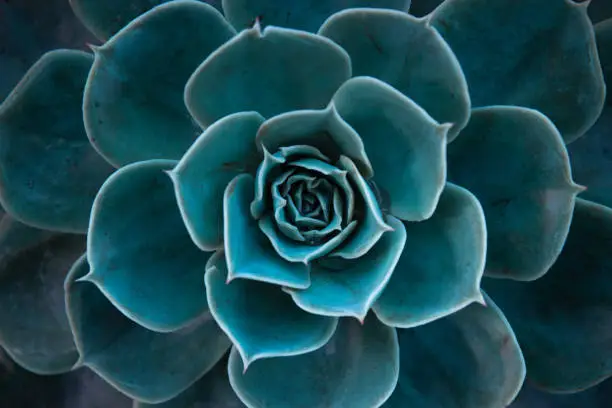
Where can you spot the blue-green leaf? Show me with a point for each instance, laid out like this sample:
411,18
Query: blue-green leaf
550,64
405,145
591,156
307,15
357,368
49,173
563,319
408,54
350,287
468,359
269,71
247,250
145,365
223,151
260,318
133,106
323,129
213,390
34,329
141,255
514,161
440,269
105,18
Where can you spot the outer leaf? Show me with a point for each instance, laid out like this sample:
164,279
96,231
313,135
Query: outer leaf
468,359
260,318
408,54
591,156
307,15
131,358
34,328
514,161
350,287
223,151
269,71
213,390
141,255
133,106
550,64
440,269
357,368
563,320
105,18
49,173
409,161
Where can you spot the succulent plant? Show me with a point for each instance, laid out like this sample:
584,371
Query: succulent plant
313,203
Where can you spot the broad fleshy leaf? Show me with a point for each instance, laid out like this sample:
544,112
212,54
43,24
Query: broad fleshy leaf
248,251
224,150
372,224
213,390
323,129
141,255
49,173
514,161
145,365
468,359
552,58
341,287
404,144
307,15
105,18
591,156
269,71
440,269
34,329
260,318
357,368
408,54
133,106
563,320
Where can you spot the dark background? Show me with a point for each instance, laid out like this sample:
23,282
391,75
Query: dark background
28,28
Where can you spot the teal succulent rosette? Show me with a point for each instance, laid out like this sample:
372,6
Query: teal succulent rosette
313,203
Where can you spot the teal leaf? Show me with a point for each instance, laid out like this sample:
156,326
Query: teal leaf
146,365
350,287
34,329
372,224
269,71
527,198
133,105
49,173
261,320
440,269
213,390
323,129
105,18
550,64
357,368
468,359
247,250
140,252
224,150
306,15
405,145
591,156
563,319
408,54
